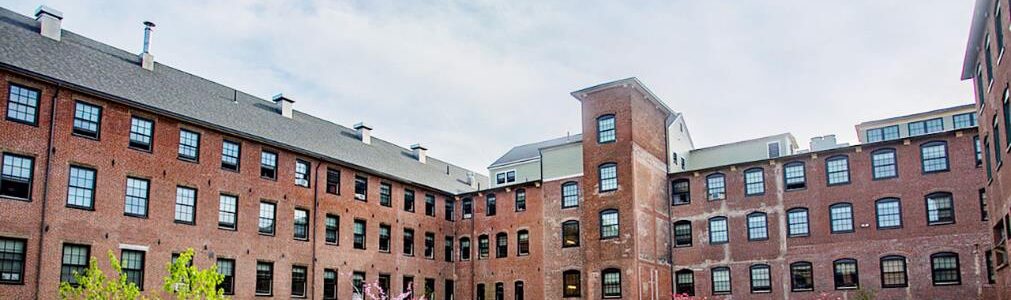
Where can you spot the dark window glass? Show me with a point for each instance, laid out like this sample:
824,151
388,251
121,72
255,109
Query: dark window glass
186,203
979,154
801,276
75,261
841,217
838,170
385,194
450,209
141,131
359,234
716,187
468,208
267,216
611,283
571,284
794,176
681,192
87,120
23,104
684,282
409,200
12,260
298,281
384,237
944,268
448,290
761,279
482,246
609,224
521,200
797,223
518,290
264,278
608,177
522,242
940,209
570,194
682,234
408,242
773,150
230,155
429,205
846,276
136,197
301,227
333,181
570,234
501,245
384,282
447,253
332,229
189,145
430,245
268,165
721,281
489,205
226,267
605,129
464,248
358,285
81,188
226,211
16,178
330,284
361,187
133,267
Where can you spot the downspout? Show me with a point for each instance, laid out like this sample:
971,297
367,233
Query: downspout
315,225
45,190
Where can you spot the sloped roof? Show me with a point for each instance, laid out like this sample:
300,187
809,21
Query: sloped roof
532,151
94,67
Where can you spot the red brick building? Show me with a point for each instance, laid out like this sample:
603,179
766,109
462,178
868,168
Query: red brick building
109,151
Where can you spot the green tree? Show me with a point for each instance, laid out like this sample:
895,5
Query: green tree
187,282
94,285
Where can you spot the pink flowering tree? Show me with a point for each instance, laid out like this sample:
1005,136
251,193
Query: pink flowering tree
374,292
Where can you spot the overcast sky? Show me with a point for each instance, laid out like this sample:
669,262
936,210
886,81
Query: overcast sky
470,79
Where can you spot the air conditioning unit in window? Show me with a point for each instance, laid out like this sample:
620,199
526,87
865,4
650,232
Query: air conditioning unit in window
360,196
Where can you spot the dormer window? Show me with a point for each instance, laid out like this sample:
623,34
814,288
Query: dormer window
505,177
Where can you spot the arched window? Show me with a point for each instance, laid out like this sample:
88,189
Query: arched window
893,271
793,175
518,290
718,230
883,163
684,282
606,129
837,170
841,217
720,277
761,279
889,213
845,273
570,234
758,227
570,194
522,242
801,276
608,177
796,222
934,156
944,268
716,186
609,224
499,291
501,245
680,192
754,182
682,234
940,209
571,284
611,283
464,248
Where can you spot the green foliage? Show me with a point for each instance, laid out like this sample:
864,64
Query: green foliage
94,285
187,282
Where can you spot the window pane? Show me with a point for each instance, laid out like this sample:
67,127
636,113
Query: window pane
716,186
842,217
22,104
797,222
935,157
16,178
81,189
570,195
608,177
889,214
12,260
186,200
226,211
136,196
754,182
884,164
721,281
718,230
140,133
838,170
757,227
87,119
940,209
189,144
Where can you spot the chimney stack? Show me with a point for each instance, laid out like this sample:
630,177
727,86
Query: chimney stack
419,152
471,179
284,105
146,59
364,132
50,22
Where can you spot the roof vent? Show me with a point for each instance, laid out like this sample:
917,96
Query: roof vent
146,59
50,21
419,152
364,132
284,105
471,179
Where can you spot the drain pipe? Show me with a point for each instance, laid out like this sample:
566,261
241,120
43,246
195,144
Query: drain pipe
45,189
315,219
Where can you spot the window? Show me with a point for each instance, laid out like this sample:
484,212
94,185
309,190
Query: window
480,291
883,134
450,209
608,177
136,197
430,245
359,234
333,181
773,149
999,32
226,211
944,268
681,191
570,194
298,274
189,145
522,242
682,234
758,227
468,208
754,182
133,267
846,275
75,261
12,260
358,285
330,284
301,227
609,224
226,267
721,280
141,131
16,179
1007,112
230,155
794,176
501,245
521,200
409,200
893,271
384,281
684,282
518,290
489,205
570,234
934,157
361,187
186,203
940,209
889,213
505,177
883,163
979,85
447,245
761,279
482,246
801,276
302,173
989,61
996,143
796,222
385,194
841,217
264,278
499,291
81,188
986,150
23,104
267,214
718,230
716,187
926,127
611,283
984,215
979,154
408,242
87,120
332,229
571,284
408,283
384,237
429,288
429,205
268,165
605,129
464,248
838,170
964,120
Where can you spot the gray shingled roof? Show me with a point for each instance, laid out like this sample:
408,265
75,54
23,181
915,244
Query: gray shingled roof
91,66
531,151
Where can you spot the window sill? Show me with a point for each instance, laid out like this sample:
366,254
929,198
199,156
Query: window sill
227,228
148,151
265,234
135,216
12,283
761,292
941,223
235,170
15,198
192,160
184,222
847,288
331,244
87,137
302,240
268,178
802,290
81,207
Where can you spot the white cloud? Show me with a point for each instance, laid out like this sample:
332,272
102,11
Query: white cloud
472,78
